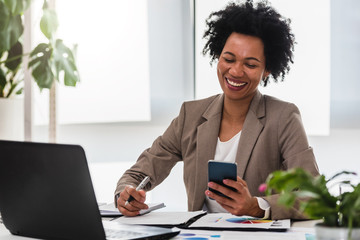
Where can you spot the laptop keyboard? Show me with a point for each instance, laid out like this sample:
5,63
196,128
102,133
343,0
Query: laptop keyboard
122,234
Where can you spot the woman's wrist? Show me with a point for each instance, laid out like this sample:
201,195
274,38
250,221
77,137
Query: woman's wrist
256,211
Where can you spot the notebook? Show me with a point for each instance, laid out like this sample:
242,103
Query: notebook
109,210
46,192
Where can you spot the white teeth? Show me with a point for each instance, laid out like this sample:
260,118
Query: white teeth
234,83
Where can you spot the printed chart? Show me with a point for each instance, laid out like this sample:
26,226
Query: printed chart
198,235
242,220
229,221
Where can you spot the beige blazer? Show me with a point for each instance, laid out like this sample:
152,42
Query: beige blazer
272,138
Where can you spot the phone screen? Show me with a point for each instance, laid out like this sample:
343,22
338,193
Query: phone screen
217,171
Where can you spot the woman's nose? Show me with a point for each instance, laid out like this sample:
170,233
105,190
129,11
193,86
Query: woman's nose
237,70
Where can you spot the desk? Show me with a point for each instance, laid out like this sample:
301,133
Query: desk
297,230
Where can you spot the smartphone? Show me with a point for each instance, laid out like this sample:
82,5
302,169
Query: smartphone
218,171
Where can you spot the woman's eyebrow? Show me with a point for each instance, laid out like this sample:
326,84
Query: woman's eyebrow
248,58
253,58
230,53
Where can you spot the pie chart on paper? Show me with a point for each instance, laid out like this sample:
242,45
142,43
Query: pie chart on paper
247,220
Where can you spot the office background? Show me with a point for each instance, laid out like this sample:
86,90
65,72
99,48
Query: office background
112,147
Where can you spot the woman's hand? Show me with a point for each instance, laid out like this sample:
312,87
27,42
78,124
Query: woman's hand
240,203
131,208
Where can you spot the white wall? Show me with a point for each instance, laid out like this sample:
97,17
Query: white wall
338,151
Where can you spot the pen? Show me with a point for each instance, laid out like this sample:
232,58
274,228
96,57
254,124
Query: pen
139,187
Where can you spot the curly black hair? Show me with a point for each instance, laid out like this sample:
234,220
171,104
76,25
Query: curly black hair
261,21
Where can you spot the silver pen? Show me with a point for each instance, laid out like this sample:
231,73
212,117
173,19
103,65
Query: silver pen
139,187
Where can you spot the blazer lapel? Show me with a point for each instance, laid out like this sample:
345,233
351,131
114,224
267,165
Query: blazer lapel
250,133
207,135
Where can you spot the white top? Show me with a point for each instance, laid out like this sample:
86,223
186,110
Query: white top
226,151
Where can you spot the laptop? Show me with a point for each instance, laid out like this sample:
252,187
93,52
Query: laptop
46,192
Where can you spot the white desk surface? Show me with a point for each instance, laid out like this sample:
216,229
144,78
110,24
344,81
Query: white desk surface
297,231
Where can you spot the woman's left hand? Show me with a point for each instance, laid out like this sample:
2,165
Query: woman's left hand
240,203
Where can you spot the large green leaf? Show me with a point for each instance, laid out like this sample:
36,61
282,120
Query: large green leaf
10,35
41,66
17,6
15,51
5,14
49,23
64,61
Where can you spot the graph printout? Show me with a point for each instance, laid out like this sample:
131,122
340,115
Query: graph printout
227,220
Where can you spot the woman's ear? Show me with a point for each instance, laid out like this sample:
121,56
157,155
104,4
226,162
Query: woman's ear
266,74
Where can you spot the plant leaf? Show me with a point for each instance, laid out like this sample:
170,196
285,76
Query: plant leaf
2,79
64,61
297,183
11,34
20,91
287,199
4,13
12,88
15,50
49,23
17,6
40,65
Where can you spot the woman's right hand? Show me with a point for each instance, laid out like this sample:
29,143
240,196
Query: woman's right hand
133,207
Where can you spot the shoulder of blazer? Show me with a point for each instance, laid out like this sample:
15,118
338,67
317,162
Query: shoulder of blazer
265,104
275,105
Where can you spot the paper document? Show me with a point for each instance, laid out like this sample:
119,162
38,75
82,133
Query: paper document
225,235
199,235
207,221
229,221
109,210
161,218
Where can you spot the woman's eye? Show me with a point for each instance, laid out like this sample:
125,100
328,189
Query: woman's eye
228,60
251,65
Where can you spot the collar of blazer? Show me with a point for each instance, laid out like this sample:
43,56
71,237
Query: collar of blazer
257,106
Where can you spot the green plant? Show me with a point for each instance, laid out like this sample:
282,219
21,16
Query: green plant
48,61
338,211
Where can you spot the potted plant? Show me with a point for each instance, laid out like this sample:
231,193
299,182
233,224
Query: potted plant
49,61
340,213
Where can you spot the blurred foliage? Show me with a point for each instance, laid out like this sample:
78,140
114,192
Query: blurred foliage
48,61
342,210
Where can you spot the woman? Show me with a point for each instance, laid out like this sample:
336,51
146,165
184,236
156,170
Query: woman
258,132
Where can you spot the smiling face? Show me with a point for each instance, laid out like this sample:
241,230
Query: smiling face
241,66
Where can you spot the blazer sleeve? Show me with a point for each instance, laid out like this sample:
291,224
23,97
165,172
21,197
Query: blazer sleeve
295,152
158,160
